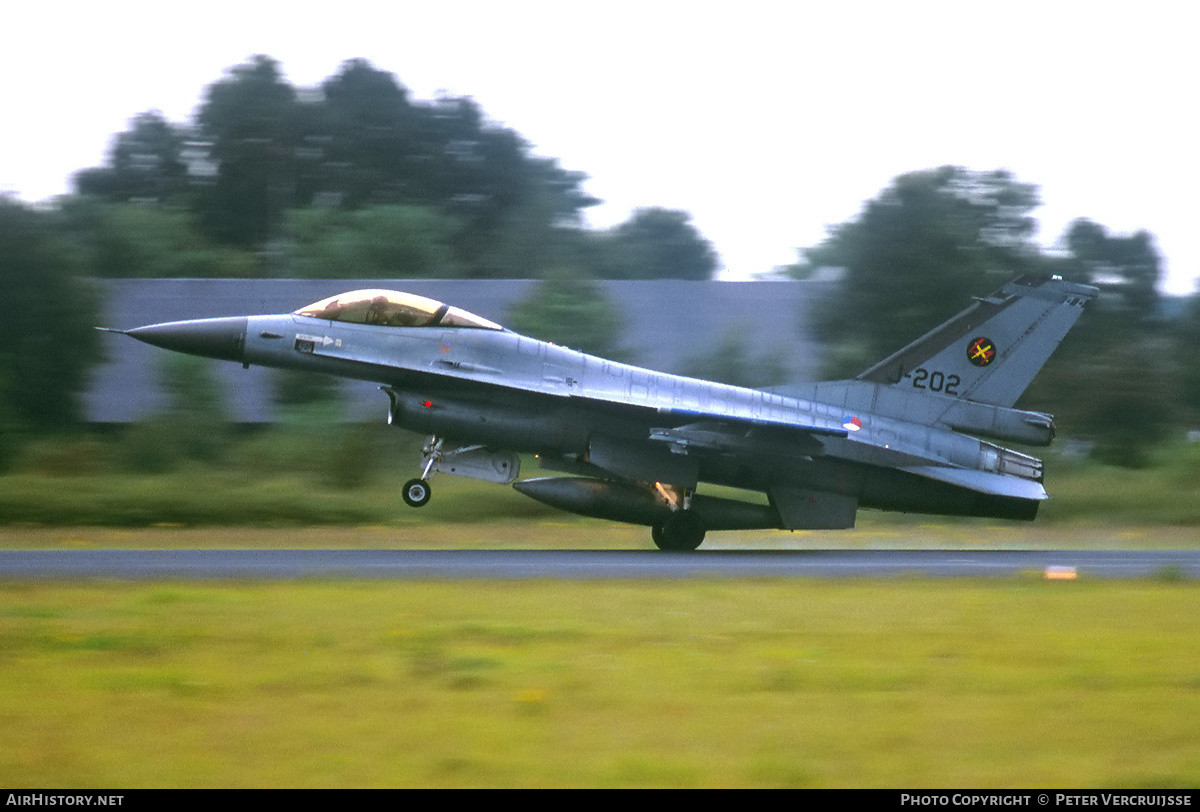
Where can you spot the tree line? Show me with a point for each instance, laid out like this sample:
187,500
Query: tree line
354,179
933,239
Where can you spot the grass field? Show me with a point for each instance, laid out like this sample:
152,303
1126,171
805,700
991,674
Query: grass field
269,481
738,683
904,683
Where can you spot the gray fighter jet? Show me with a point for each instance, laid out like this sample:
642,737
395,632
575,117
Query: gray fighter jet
903,435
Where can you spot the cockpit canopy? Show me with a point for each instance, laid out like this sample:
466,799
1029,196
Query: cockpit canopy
391,308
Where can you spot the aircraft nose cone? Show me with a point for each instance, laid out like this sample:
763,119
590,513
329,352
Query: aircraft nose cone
212,338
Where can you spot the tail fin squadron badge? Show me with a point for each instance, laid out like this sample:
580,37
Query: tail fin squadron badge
981,352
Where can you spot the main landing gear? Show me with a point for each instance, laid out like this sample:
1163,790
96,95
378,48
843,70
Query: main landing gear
683,530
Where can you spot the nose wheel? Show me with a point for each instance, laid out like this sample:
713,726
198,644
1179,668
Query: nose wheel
416,492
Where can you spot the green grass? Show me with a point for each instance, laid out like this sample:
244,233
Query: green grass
208,496
351,476
542,684
1098,495
213,496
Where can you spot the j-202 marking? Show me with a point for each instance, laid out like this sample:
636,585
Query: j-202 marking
934,381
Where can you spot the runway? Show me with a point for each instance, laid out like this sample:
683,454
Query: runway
145,565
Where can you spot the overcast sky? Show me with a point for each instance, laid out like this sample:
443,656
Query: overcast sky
767,121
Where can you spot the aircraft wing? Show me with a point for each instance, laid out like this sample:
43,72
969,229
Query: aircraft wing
755,438
673,452
726,434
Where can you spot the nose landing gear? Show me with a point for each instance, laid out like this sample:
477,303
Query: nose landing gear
416,492
472,461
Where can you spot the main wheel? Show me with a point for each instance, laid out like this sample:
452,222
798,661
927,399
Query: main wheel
682,531
416,492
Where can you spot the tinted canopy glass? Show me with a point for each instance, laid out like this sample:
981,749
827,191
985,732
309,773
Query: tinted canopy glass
390,308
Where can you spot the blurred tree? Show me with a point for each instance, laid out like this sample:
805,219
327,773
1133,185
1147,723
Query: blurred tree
1185,338
295,390
46,336
255,126
730,362
571,310
544,230
916,253
148,240
145,163
379,148
563,189
194,426
11,432
370,139
1128,269
374,242
259,147
1112,378
656,243
1118,395
197,415
487,180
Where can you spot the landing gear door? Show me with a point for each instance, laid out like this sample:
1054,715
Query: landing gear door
478,462
803,509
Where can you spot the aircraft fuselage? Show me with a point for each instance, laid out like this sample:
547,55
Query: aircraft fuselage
503,389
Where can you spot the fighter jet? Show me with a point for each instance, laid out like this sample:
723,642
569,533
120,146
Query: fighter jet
912,433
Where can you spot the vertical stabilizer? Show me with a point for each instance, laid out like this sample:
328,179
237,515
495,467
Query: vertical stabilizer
990,352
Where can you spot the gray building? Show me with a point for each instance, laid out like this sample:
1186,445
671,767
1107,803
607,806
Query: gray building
667,325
